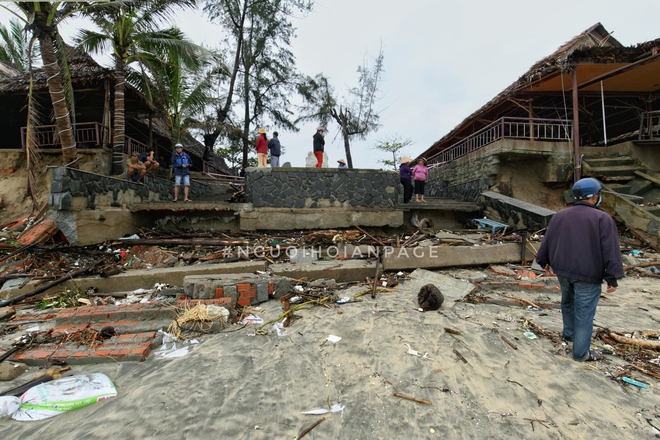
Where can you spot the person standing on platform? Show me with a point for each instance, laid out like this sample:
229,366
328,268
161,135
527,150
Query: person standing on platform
319,146
262,148
406,178
275,150
420,172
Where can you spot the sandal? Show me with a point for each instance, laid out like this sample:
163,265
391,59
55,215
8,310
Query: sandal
594,355
187,200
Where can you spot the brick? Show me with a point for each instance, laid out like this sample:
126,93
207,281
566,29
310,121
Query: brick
271,288
248,290
219,292
39,233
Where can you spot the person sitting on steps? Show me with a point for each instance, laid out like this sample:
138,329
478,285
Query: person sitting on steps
135,169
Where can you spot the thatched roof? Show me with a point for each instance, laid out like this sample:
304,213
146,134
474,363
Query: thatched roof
594,45
84,72
7,71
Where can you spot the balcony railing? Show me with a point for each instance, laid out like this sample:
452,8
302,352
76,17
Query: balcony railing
507,128
649,126
90,133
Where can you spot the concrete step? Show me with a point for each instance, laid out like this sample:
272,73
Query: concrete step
609,161
614,173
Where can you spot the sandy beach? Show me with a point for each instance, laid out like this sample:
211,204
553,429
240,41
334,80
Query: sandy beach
239,385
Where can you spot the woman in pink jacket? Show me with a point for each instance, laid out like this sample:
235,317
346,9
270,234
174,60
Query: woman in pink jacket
262,148
420,172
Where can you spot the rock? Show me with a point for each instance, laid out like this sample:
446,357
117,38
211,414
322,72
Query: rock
10,370
430,298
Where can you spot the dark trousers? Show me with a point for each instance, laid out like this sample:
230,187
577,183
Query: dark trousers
407,190
419,186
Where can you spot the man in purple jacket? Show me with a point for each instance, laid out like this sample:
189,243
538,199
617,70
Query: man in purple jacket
582,247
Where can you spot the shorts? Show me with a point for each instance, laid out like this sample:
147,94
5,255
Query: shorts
136,176
186,180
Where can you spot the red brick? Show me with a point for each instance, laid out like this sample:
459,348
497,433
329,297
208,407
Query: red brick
125,338
80,354
219,292
144,352
121,352
40,232
40,354
247,290
146,335
243,302
271,288
102,352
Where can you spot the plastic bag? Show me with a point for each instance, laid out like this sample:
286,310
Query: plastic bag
8,405
66,394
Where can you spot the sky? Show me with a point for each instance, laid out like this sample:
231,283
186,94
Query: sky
443,59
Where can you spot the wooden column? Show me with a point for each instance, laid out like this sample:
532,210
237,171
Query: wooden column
576,128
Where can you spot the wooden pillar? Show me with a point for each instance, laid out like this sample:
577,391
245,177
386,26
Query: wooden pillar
576,129
531,121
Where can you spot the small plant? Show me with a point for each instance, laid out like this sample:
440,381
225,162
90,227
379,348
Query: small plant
65,298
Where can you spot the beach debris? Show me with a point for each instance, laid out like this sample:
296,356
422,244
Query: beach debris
460,356
51,374
306,431
333,409
9,405
511,344
415,352
66,394
430,297
412,399
452,331
253,319
530,335
278,327
643,343
334,339
168,348
541,422
632,381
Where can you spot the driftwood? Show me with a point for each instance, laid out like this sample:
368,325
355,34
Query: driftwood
180,242
52,374
8,302
652,263
651,345
306,430
413,399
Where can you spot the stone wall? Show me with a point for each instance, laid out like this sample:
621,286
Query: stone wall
321,188
466,177
76,190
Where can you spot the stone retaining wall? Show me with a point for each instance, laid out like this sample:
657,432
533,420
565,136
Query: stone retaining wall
321,188
76,190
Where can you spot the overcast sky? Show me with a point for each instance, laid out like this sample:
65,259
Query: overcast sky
443,59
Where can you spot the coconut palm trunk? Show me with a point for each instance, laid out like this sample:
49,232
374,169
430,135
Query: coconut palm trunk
58,98
119,129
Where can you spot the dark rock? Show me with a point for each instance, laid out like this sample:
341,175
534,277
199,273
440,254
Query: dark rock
430,298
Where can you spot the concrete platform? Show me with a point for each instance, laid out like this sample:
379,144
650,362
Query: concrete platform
340,271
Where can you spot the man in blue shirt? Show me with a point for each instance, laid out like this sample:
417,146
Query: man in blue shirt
181,163
149,161
582,247
275,150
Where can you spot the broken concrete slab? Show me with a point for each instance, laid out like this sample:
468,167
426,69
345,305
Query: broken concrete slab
145,278
436,257
10,370
341,271
316,218
452,289
515,212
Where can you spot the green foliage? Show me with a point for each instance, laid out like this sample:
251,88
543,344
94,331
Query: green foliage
64,299
14,46
392,145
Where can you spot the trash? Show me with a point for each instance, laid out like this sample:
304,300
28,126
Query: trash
344,300
278,327
334,339
632,381
415,352
530,335
334,409
636,253
132,237
430,297
66,394
252,319
9,405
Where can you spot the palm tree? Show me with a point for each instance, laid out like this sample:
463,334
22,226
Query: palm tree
42,19
14,46
130,30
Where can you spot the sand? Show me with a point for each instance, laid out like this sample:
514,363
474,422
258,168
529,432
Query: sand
238,385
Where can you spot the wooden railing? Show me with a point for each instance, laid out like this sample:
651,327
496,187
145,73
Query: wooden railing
90,133
649,126
506,128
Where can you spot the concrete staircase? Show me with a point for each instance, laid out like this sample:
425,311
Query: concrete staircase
611,169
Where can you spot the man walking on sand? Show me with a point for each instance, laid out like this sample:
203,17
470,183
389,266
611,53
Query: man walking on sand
582,247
